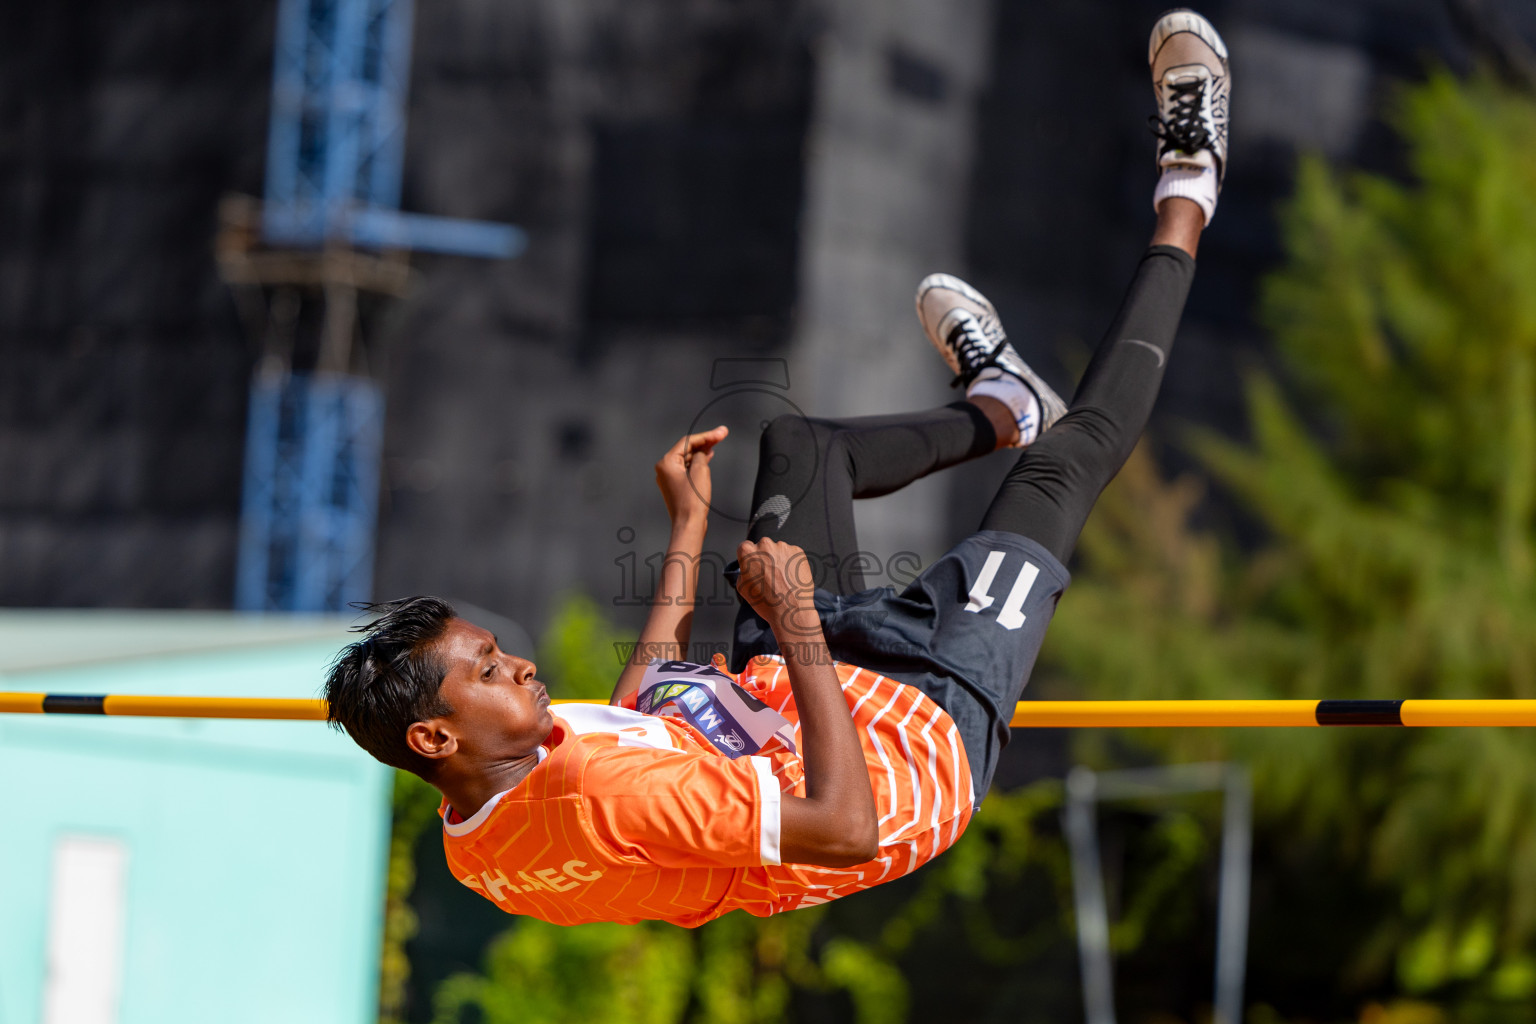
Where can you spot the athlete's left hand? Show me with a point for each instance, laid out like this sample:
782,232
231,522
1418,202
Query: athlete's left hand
683,475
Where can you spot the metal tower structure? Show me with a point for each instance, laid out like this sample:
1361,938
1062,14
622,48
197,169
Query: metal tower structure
337,139
314,439
313,443
1085,789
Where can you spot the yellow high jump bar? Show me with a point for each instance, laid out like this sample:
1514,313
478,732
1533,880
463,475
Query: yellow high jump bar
1031,714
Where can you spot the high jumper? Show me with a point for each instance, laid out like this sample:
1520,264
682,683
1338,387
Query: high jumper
852,733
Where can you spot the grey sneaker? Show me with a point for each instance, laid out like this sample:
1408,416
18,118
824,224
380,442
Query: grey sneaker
965,328
1193,88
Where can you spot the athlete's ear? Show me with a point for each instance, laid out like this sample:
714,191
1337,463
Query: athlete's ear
430,739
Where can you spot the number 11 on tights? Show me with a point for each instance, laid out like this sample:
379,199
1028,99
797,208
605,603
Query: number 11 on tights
1011,614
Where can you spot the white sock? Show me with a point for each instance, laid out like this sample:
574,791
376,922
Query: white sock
1012,392
1185,182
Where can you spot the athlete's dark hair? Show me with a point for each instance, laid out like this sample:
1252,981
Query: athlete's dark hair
390,678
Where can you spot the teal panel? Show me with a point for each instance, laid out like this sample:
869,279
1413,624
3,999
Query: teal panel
256,850
36,639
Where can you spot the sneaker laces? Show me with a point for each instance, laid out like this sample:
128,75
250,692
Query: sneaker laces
1185,128
973,349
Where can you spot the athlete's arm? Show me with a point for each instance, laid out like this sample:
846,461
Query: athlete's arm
834,824
683,476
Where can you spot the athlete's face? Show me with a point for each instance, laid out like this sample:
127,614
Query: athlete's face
500,711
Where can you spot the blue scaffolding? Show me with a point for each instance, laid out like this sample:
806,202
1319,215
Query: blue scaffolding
314,441
312,451
337,139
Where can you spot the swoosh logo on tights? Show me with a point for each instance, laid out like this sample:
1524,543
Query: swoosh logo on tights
777,505
1146,345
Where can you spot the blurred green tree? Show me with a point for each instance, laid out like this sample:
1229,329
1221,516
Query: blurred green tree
1393,476
579,654
415,808
539,973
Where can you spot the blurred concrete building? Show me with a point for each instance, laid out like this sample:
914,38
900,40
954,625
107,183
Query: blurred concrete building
701,181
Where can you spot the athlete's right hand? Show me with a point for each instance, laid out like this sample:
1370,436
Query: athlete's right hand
683,475
834,824
777,581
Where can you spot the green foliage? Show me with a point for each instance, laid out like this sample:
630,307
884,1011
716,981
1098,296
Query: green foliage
1181,848
745,970
541,973
415,808
578,653
878,989
1394,476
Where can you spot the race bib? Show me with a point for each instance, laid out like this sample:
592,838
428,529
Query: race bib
737,723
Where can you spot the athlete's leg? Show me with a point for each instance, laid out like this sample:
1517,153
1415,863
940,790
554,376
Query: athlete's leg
991,597
1052,487
810,471
976,618
1050,490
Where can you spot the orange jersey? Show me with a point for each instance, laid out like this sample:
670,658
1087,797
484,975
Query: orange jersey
630,816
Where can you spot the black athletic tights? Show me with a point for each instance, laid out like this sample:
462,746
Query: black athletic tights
810,470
